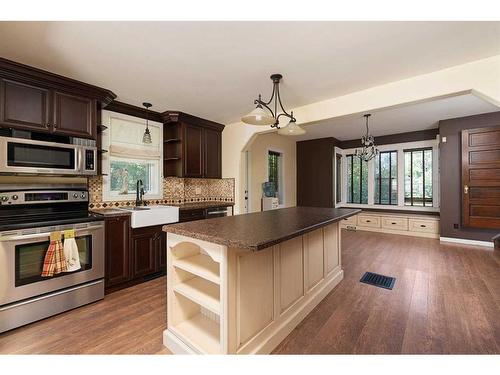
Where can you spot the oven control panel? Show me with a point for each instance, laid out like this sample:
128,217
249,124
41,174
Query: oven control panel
40,197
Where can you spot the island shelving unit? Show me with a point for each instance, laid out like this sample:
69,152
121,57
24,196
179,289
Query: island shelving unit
240,284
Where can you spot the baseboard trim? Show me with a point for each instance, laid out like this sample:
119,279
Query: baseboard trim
467,242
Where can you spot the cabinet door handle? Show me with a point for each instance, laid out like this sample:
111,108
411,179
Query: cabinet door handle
393,223
368,221
422,226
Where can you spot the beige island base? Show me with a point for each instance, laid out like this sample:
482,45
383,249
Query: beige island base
224,299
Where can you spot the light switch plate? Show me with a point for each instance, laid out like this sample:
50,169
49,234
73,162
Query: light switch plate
197,191
443,139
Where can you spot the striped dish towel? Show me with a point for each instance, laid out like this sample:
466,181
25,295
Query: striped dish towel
54,261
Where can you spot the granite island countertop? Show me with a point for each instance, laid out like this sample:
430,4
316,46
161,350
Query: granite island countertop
259,230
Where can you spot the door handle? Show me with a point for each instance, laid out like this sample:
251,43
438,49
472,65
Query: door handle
466,189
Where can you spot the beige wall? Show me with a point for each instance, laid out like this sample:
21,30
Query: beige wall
481,77
258,151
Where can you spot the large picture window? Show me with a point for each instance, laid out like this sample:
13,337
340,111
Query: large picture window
418,177
357,180
386,178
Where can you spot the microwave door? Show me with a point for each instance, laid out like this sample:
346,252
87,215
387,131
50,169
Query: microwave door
37,157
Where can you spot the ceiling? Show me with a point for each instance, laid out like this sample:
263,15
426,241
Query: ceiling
401,119
216,69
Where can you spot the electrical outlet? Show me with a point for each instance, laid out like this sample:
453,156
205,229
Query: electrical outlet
455,226
197,191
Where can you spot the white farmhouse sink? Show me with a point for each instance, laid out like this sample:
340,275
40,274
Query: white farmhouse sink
152,215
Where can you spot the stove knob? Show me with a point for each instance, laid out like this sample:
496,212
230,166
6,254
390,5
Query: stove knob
15,197
4,198
75,195
83,195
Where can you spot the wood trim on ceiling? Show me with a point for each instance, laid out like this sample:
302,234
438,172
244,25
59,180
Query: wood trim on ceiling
13,70
420,135
132,110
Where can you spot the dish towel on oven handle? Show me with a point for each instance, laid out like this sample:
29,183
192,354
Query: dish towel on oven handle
54,261
71,251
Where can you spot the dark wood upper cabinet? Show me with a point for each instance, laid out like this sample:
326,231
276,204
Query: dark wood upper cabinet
481,177
193,151
37,100
117,246
24,106
74,115
192,146
212,160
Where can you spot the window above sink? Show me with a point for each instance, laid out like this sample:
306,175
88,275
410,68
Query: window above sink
129,159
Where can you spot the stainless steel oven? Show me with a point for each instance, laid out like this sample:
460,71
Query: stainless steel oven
25,296
27,218
20,155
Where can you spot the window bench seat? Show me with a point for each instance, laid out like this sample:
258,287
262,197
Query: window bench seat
403,223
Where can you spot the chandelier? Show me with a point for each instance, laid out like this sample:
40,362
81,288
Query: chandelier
369,151
259,116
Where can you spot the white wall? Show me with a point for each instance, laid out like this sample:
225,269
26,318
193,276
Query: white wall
482,77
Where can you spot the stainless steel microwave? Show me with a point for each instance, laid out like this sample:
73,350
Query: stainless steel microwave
19,155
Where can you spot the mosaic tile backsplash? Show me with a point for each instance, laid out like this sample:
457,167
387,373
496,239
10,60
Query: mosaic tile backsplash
175,191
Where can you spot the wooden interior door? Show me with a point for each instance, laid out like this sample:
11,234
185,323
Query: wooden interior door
481,177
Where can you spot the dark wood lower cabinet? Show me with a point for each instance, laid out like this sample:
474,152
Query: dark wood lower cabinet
117,250
132,254
145,246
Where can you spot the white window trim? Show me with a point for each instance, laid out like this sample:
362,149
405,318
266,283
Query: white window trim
281,172
106,117
399,147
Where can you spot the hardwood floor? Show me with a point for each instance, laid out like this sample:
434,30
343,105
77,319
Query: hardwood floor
130,321
446,300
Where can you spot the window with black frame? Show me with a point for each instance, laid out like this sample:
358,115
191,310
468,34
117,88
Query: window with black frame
274,171
386,178
357,180
418,177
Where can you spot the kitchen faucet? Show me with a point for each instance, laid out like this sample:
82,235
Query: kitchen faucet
139,194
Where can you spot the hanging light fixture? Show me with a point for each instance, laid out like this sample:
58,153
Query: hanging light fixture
369,151
146,138
292,128
259,116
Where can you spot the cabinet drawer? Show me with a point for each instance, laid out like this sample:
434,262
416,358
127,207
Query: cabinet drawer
369,221
350,220
422,225
396,223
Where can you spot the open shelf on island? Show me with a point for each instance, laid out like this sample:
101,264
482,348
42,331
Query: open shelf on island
202,292
201,332
171,159
200,265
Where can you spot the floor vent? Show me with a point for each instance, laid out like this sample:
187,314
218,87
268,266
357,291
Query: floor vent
381,281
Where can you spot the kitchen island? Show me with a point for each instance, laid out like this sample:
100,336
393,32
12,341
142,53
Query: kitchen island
241,284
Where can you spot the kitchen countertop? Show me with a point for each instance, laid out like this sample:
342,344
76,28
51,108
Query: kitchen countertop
257,231
110,212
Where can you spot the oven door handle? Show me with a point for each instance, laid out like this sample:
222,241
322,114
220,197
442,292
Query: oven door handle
42,235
